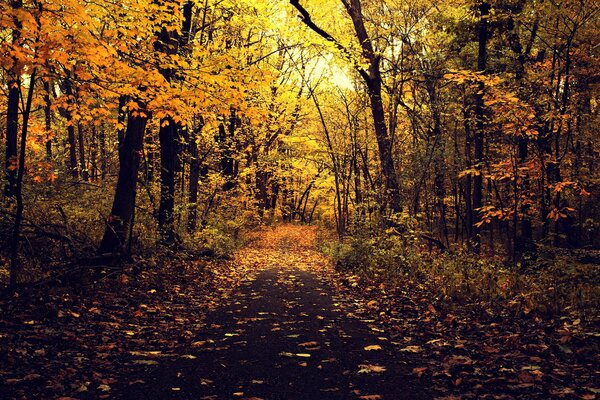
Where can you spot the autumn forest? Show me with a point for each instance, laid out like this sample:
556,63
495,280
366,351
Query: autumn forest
303,199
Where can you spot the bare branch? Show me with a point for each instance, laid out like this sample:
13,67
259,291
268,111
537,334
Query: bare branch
305,17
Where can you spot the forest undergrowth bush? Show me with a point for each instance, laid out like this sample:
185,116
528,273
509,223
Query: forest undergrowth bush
61,234
223,233
553,285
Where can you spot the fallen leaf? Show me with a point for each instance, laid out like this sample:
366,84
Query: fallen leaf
370,368
308,344
412,349
145,362
104,388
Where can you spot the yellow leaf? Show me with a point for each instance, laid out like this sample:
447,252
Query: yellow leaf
370,368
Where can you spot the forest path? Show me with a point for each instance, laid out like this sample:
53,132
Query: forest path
284,334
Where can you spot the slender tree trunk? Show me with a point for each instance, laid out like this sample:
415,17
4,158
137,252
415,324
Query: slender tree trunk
192,219
227,141
526,231
103,155
12,111
373,81
169,42
168,156
48,118
72,140
15,269
81,146
469,218
120,220
478,141
438,159
93,153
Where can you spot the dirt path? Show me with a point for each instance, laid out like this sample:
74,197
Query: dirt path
284,334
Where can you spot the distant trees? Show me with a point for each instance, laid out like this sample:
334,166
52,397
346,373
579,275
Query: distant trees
481,101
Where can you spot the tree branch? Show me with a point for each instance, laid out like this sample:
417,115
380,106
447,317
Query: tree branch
305,17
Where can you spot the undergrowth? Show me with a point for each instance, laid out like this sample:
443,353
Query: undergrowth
60,234
553,285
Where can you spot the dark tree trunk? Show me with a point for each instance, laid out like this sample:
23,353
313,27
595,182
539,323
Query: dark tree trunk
169,43
227,143
72,140
103,155
93,153
438,158
526,232
469,218
121,215
12,112
15,269
478,138
192,219
48,118
167,136
12,128
373,80
81,146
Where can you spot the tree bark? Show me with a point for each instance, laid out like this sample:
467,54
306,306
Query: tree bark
12,112
72,140
167,136
478,138
48,118
373,80
14,261
81,147
121,215
192,219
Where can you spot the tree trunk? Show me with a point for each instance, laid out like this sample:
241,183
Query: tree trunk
121,216
192,219
81,146
72,140
469,218
12,112
48,118
373,80
168,42
478,138
167,136
14,261
103,155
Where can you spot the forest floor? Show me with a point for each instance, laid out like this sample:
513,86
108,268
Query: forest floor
278,322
